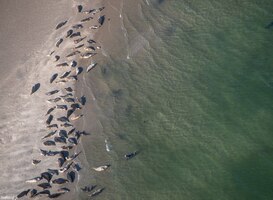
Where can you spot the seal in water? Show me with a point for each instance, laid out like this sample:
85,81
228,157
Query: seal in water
61,24
35,88
96,192
93,65
53,77
101,168
24,193
59,42
130,155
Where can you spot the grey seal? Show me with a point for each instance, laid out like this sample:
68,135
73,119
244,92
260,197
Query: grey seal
65,74
88,55
49,143
69,33
101,20
79,7
47,176
79,40
49,134
71,176
75,34
77,26
44,185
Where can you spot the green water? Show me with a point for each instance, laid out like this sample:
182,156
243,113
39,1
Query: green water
196,101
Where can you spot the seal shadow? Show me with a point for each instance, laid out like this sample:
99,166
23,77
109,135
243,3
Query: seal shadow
253,177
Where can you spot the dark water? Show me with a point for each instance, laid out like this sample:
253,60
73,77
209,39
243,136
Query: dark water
195,98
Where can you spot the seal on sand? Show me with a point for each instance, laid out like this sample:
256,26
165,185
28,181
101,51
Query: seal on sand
61,24
35,88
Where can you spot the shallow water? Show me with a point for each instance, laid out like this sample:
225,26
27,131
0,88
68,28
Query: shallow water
194,98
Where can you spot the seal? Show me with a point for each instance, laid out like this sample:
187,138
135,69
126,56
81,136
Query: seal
79,40
50,110
88,188
71,176
69,112
44,185
88,55
59,42
101,20
60,139
23,193
57,58
79,7
36,162
93,65
35,88
54,100
69,33
62,65
59,25
75,34
62,107
130,155
52,126
76,117
55,195
52,92
66,125
49,134
64,189
71,131
69,89
63,133
73,63
73,53
34,180
77,26
63,119
86,19
47,176
61,162
33,193
79,46
49,143
65,74
82,100
60,181
78,70
75,106
53,77
49,119
73,141
101,168
90,41
90,48
96,192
